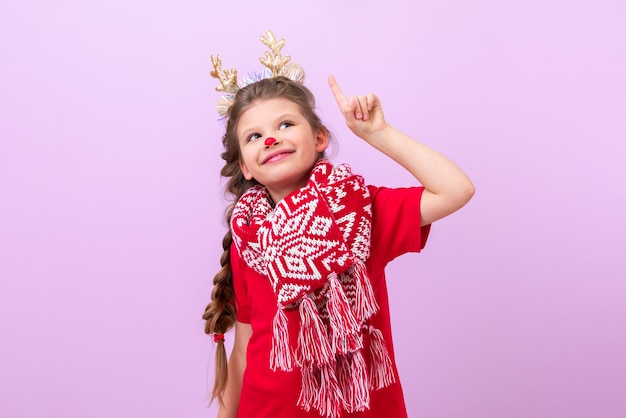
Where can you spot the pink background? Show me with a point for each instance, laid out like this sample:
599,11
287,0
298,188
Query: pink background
111,202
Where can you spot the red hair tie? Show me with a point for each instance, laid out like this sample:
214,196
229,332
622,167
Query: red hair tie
218,337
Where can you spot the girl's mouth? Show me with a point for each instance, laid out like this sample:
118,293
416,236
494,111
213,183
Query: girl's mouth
276,156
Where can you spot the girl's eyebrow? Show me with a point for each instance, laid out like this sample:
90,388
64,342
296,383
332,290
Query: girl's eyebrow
285,116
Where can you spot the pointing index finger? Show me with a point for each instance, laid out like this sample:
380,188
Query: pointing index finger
334,87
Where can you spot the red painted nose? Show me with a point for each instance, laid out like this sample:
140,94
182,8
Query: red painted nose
270,141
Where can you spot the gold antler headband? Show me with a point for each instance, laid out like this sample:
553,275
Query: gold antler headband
275,65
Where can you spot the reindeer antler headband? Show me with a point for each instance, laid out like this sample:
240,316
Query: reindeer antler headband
275,65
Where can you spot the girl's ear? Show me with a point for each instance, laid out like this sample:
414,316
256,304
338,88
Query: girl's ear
321,140
244,169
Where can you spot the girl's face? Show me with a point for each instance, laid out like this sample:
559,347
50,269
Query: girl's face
283,165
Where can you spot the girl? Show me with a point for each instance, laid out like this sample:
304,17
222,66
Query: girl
302,278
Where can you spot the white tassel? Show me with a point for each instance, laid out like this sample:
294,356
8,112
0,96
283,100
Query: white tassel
344,326
381,369
344,378
313,345
329,398
360,383
365,303
310,388
280,356
354,382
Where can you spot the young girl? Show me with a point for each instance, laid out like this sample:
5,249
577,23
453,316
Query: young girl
302,278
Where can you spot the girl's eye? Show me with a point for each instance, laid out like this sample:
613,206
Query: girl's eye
252,137
285,124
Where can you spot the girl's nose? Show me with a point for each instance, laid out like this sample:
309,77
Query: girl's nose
269,141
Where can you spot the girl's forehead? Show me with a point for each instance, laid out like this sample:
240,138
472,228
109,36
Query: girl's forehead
267,109
274,104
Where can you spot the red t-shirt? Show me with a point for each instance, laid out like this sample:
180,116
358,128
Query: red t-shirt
266,394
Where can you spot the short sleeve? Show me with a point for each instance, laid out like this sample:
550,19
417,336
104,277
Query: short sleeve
240,286
396,222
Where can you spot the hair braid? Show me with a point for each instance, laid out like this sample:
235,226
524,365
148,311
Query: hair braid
220,315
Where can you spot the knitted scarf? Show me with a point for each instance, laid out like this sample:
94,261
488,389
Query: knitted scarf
312,246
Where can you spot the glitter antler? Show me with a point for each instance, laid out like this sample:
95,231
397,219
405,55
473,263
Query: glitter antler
227,78
275,62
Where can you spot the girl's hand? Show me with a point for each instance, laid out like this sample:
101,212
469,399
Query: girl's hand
363,114
447,188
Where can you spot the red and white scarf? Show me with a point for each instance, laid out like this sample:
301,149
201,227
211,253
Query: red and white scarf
312,246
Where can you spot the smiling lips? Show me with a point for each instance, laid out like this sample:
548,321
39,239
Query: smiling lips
276,156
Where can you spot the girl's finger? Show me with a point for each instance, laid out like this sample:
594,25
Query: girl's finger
349,108
362,100
337,93
371,101
357,107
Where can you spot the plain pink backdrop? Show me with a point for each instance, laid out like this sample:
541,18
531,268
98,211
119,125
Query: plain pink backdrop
111,202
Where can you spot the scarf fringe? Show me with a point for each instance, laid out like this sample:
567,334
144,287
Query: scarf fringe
313,346
365,302
345,330
329,398
281,356
381,368
320,391
354,382
344,377
310,388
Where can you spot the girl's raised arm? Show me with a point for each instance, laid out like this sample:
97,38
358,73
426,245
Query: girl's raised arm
447,187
